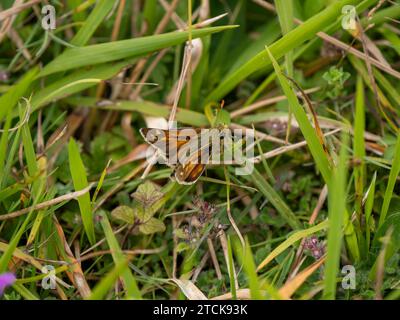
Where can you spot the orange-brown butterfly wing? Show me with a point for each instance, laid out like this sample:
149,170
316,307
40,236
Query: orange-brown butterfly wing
168,142
190,171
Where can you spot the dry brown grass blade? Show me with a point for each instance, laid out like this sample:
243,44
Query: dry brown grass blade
283,149
45,204
363,39
75,272
189,289
290,287
16,9
19,254
214,258
7,24
224,245
200,267
314,116
14,36
260,135
129,253
174,17
118,19
266,102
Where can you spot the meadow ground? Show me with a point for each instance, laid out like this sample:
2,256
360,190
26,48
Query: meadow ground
313,83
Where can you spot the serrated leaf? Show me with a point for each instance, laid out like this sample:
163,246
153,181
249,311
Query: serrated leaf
153,225
147,194
143,214
124,213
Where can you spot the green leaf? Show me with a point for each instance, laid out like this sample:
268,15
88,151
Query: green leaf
79,179
152,225
106,52
147,194
124,213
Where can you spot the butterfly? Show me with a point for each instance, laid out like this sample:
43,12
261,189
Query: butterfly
188,150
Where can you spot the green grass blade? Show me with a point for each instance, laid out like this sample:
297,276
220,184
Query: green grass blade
267,169
336,208
127,276
369,203
24,292
269,192
247,260
313,143
7,255
74,83
101,10
9,162
29,150
38,184
4,143
284,8
101,289
359,144
10,99
78,173
394,173
118,50
292,240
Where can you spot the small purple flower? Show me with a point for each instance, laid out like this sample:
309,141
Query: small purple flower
314,247
6,280
4,76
